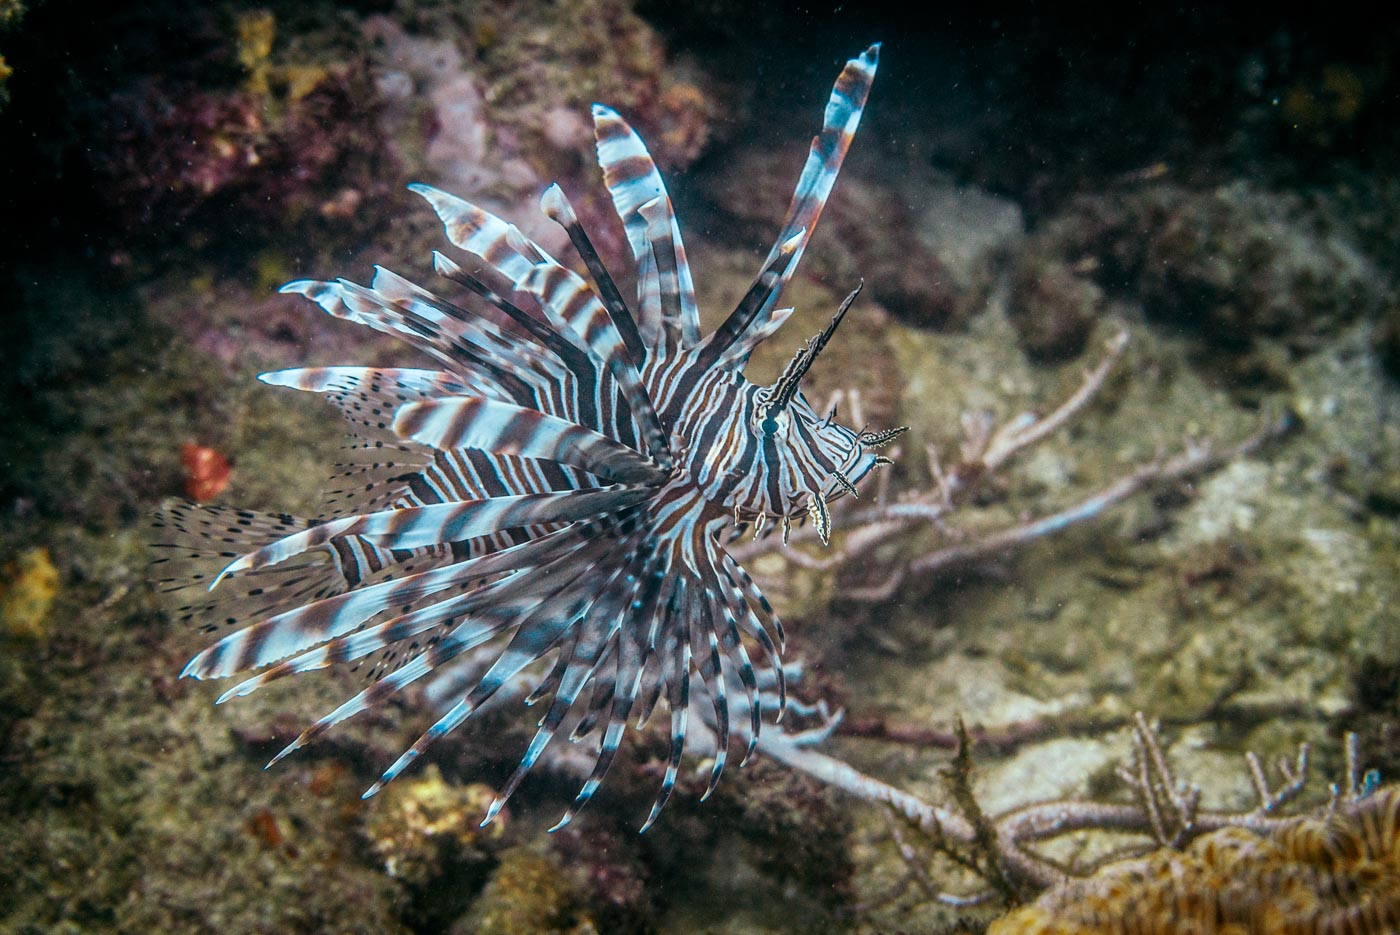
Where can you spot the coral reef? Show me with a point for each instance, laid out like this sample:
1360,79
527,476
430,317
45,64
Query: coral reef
285,147
1054,309
1236,266
427,825
28,586
491,102
1335,873
613,876
1250,607
428,836
526,895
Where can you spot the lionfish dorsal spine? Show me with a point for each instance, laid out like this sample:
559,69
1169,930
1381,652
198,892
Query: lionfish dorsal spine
824,159
667,316
556,206
730,344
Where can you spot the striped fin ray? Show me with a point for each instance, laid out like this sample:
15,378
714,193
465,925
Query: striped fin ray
733,644
495,607
580,393
368,396
470,474
190,537
501,246
713,674
482,234
764,327
675,671
360,643
602,687
515,257
573,358
658,592
633,180
485,334
603,683
564,292
828,151
421,665
303,627
393,385
654,682
557,207
435,336
474,422
536,635
668,255
578,662
416,527
741,613
737,336
465,342
736,574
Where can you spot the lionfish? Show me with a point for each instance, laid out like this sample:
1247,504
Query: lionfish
561,486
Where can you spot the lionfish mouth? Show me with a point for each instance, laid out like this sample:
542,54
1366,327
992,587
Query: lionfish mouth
519,495
817,509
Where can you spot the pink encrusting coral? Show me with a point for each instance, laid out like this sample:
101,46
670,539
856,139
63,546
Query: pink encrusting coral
498,118
175,150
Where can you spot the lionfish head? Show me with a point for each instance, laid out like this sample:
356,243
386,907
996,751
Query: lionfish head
806,459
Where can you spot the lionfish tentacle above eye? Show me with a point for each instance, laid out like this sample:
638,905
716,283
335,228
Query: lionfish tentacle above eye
555,488
787,385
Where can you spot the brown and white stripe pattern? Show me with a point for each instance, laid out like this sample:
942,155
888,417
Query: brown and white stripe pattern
557,485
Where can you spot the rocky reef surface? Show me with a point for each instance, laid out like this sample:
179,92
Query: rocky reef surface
1015,201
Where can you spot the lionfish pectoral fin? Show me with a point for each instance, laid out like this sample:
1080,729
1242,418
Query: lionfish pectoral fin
675,670
453,521
495,426
444,725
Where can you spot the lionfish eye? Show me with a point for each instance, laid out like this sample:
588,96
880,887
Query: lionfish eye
768,419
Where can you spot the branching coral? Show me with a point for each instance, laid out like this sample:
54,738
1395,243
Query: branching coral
1336,873
988,449
1002,849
